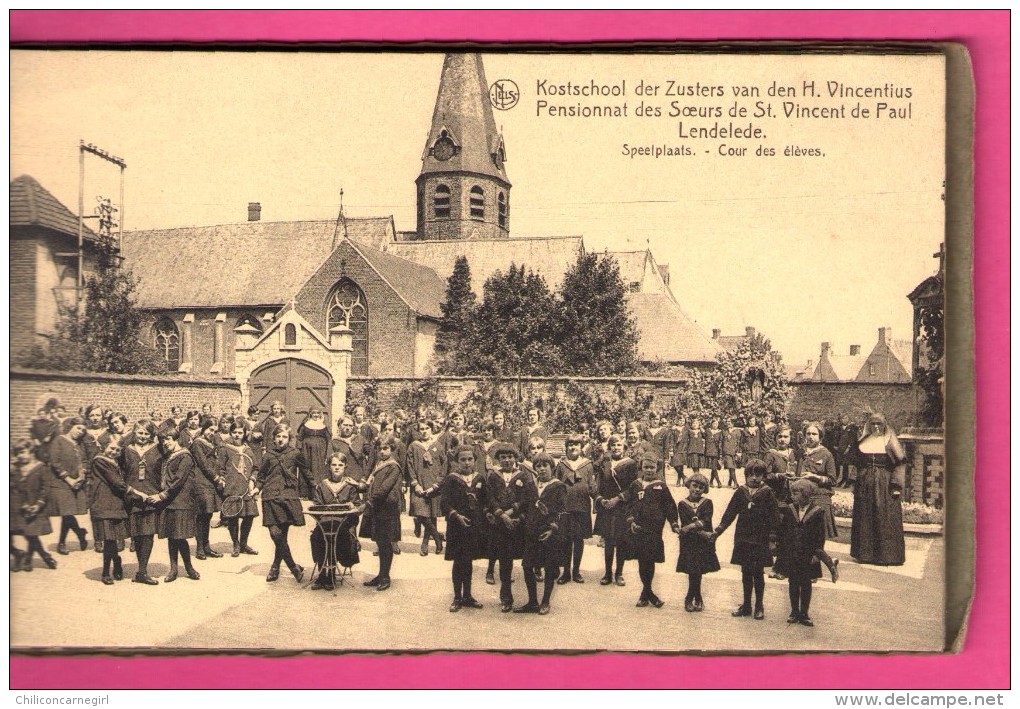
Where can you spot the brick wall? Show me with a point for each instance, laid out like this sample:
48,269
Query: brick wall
22,295
392,326
460,224
203,334
825,400
134,395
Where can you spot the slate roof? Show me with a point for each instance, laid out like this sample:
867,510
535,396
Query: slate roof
551,257
845,367
31,204
463,110
249,263
632,265
668,334
417,285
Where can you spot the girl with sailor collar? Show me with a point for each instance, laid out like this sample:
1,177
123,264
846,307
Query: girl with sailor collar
465,501
578,474
649,506
142,465
425,473
512,492
177,500
615,474
543,535
697,550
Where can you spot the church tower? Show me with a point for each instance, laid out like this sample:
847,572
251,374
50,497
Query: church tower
463,191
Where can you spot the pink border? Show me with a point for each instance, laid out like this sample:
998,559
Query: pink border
984,663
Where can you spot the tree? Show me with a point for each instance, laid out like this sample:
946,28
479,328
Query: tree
749,381
101,334
929,374
513,333
458,319
597,334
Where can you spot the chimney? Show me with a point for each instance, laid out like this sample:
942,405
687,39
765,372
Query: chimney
750,331
254,211
884,335
716,333
855,350
826,347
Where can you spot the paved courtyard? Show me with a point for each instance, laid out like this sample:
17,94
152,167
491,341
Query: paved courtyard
232,606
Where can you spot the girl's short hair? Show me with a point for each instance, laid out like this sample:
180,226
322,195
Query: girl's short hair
488,425
146,425
238,425
281,428
648,459
386,440
193,413
204,424
813,424
253,410
696,478
342,457
536,441
115,416
543,458
574,439
615,438
169,433
461,449
73,421
22,444
755,467
87,411
802,484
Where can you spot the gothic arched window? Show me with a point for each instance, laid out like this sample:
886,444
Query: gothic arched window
477,203
167,341
348,307
441,202
504,211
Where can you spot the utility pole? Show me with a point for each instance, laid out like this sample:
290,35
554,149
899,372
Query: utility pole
105,215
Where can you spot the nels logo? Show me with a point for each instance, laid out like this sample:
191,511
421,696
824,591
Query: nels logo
504,94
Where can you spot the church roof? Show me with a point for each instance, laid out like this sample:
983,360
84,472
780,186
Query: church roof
33,205
463,111
549,256
249,263
668,334
417,285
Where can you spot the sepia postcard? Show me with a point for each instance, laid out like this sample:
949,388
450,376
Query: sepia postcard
461,348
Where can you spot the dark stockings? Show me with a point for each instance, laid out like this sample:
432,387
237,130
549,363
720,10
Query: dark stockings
246,523
694,588
572,561
429,531
35,546
67,524
610,548
232,525
646,571
281,553
733,477
800,595
110,557
386,560
202,534
462,570
551,574
715,478
143,550
753,578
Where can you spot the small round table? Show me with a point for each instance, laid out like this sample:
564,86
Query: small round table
332,521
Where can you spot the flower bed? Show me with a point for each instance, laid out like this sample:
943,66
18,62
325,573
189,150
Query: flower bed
913,512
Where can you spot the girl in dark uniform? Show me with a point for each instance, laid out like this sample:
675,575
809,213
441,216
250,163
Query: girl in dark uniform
192,429
277,480
543,536
696,447
95,426
817,465
383,507
425,473
464,500
511,492
802,528
753,506
206,485
29,490
334,490
109,510
649,506
68,496
236,463
713,449
697,550
615,475
142,465
177,517
116,430
578,473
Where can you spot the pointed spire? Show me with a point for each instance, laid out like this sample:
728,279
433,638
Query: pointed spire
463,135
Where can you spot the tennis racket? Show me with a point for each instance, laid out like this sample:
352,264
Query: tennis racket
232,506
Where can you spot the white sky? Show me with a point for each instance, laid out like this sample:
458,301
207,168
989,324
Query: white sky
804,249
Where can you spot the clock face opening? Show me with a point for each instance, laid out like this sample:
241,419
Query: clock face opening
444,149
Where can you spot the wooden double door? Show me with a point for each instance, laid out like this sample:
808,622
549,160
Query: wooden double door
299,384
